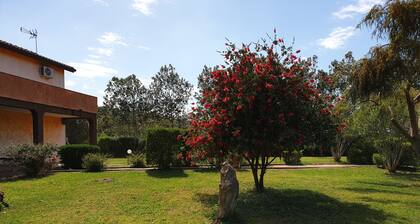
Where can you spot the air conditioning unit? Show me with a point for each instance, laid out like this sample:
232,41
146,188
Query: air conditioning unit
47,72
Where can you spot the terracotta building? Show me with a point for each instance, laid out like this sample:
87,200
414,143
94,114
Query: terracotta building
34,102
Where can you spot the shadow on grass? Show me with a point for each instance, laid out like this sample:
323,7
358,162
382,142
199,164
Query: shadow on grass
166,173
295,206
366,190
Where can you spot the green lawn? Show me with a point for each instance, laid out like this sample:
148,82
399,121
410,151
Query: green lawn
342,195
307,160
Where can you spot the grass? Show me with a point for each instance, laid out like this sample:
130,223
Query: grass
307,160
343,195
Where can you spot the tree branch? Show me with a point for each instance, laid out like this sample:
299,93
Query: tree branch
417,99
401,129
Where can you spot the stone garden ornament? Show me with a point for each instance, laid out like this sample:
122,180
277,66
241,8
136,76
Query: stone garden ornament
228,192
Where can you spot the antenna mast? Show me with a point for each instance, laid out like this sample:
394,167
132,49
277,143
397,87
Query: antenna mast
33,34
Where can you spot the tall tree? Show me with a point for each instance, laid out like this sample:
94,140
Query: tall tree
126,100
395,64
169,94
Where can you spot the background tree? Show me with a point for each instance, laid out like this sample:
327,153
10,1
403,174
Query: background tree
264,101
169,94
393,65
126,101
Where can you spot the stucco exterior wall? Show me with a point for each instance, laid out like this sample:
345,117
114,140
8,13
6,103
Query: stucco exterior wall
16,128
29,68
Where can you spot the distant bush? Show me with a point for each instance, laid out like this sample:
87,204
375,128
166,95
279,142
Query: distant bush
118,146
408,157
72,155
292,157
35,160
94,162
360,152
137,160
162,146
378,160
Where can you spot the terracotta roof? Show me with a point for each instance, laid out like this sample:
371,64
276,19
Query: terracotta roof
26,52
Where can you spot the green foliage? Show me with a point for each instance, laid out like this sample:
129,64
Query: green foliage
162,146
125,106
77,131
360,152
35,160
378,160
72,155
169,94
292,157
137,160
94,162
118,146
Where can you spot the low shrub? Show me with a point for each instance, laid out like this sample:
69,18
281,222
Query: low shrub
360,152
137,160
408,157
162,146
94,162
72,155
34,160
292,157
378,160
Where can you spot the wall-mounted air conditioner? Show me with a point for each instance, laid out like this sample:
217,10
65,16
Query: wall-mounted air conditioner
47,72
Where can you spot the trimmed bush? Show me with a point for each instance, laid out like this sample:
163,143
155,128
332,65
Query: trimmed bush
162,146
360,152
72,155
94,162
110,145
292,157
117,147
137,161
378,160
35,160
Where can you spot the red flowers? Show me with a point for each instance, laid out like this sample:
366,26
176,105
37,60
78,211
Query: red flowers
269,86
287,75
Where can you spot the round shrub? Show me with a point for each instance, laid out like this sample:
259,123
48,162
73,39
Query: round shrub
94,162
378,160
292,157
137,161
72,155
35,160
360,152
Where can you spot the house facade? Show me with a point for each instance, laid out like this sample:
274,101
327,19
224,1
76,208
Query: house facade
34,103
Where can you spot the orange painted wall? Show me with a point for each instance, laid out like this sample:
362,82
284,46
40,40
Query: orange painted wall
16,128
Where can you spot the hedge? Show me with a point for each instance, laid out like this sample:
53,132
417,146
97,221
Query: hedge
360,152
118,146
72,155
162,146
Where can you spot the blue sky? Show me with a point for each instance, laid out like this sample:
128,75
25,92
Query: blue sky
102,38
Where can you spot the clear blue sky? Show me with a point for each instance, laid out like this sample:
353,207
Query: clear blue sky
102,38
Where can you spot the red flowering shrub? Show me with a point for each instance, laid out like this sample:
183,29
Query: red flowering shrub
265,100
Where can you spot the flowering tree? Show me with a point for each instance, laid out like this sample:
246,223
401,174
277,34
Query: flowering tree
265,100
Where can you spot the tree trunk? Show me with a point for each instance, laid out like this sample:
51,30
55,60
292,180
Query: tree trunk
413,134
255,166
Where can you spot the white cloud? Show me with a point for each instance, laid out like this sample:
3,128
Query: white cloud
143,47
102,2
359,7
112,38
93,61
100,52
143,6
88,70
337,37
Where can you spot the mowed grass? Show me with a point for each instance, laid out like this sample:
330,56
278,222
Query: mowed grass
341,195
307,160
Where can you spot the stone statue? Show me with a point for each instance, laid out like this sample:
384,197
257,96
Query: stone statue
2,202
228,191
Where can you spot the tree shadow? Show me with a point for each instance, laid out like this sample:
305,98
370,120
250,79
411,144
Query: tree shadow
175,173
295,206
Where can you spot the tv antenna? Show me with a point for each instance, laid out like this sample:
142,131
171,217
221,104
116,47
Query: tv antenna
33,34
